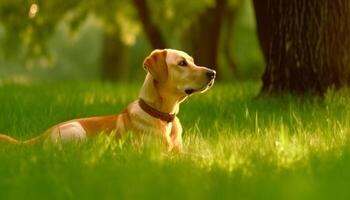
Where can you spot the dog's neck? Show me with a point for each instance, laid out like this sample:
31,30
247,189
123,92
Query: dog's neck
159,98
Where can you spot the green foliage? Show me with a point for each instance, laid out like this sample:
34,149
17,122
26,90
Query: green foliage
239,147
72,57
178,14
52,44
29,30
175,17
30,23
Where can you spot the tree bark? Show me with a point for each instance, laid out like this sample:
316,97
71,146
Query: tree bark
306,44
114,57
151,30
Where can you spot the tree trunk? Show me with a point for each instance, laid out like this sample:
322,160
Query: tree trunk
204,35
151,30
306,44
114,57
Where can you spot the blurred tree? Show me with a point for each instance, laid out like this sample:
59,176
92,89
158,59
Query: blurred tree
306,44
24,25
230,12
114,57
151,30
120,28
197,25
29,25
204,35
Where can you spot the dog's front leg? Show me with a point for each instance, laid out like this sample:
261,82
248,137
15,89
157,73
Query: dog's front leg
176,135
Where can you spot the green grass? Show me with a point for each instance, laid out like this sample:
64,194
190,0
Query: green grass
237,146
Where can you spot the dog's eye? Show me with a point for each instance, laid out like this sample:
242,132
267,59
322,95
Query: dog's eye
182,63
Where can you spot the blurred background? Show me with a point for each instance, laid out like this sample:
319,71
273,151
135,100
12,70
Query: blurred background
92,40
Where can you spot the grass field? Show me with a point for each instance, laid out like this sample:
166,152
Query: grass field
236,146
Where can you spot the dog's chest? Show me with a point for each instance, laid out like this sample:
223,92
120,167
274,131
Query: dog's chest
167,128
143,122
156,126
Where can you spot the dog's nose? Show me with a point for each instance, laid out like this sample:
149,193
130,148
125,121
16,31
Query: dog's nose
211,74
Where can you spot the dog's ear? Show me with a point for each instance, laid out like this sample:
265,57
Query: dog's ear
156,65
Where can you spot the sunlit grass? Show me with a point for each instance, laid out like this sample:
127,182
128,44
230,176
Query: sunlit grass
235,145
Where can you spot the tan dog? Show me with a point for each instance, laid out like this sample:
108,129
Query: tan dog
172,76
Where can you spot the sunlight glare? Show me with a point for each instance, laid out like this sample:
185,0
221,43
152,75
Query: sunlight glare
34,8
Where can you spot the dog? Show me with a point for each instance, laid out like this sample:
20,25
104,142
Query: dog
172,76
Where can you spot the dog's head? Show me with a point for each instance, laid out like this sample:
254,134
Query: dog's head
176,71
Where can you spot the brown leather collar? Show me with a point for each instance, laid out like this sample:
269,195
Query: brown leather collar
167,117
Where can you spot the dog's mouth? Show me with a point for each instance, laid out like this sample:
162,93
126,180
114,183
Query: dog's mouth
202,89
189,91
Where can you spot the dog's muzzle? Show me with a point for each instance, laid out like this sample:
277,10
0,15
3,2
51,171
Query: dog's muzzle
211,74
